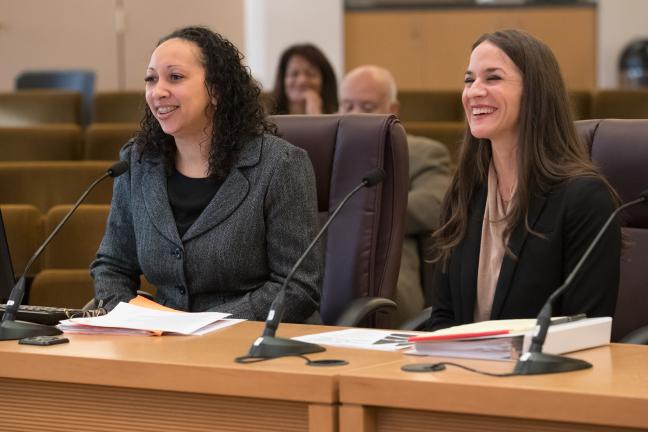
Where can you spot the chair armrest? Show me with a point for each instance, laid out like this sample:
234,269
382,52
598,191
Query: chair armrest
360,308
638,336
417,322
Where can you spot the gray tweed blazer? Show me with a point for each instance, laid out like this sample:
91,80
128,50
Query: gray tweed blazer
238,252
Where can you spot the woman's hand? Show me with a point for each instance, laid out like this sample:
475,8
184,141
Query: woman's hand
313,102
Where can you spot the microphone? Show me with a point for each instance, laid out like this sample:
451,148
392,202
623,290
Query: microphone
11,329
268,346
535,361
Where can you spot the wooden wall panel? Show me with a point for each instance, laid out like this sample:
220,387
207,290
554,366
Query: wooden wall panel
429,49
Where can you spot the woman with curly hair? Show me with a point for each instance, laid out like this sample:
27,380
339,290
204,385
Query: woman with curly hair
215,209
305,82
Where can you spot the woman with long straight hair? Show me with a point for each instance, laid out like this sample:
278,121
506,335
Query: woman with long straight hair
525,200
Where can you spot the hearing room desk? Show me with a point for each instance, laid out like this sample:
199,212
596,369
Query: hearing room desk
611,396
177,383
170,383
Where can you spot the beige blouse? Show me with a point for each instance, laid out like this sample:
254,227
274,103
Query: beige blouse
492,248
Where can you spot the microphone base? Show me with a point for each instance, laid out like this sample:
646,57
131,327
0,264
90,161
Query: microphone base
12,330
273,347
533,363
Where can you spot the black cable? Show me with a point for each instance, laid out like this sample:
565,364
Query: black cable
438,367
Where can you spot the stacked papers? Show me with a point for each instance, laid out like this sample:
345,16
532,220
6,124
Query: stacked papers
130,319
380,340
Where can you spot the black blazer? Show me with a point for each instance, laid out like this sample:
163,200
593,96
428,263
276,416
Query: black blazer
569,216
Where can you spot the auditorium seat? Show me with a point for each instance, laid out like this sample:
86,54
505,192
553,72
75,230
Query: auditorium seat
46,184
71,288
118,107
103,140
40,143
426,106
33,107
620,149
620,104
25,232
80,81
363,245
76,244
581,101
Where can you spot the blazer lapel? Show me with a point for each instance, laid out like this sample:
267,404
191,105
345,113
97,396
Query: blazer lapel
516,242
470,257
230,195
156,200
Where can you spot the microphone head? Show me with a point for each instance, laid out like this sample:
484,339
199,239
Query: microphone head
644,196
117,169
373,177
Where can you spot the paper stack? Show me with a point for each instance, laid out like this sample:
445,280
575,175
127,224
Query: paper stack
132,319
507,339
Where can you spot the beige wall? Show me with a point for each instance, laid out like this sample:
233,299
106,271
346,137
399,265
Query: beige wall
113,37
619,22
60,34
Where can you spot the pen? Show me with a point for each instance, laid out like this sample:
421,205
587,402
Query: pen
568,319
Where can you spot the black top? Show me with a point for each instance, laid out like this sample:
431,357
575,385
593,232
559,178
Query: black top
188,197
568,217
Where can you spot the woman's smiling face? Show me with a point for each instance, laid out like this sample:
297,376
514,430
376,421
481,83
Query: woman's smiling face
492,94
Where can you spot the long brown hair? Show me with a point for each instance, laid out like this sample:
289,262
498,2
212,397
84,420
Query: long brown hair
548,150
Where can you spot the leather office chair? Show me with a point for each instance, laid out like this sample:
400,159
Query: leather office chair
620,149
363,245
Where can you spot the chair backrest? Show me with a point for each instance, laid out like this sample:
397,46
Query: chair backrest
46,184
620,104
104,140
81,234
417,105
81,81
25,232
620,149
33,107
118,107
40,143
363,245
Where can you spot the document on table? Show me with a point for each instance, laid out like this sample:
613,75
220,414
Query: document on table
128,318
381,340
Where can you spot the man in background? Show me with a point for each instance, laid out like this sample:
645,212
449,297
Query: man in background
372,89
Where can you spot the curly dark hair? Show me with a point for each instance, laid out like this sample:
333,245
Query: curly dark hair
316,57
238,117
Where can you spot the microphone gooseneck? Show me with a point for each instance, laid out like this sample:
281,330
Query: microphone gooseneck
268,346
535,361
11,329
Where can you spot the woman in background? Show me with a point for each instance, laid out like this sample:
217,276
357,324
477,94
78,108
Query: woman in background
305,82
525,201
215,210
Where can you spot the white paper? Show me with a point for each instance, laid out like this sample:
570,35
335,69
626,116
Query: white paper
131,317
381,340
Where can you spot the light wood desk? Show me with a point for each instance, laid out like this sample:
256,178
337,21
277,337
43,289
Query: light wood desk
612,396
172,383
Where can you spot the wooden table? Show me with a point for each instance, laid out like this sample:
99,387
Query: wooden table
171,383
611,396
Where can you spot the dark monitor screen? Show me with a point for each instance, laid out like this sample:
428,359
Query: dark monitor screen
7,278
